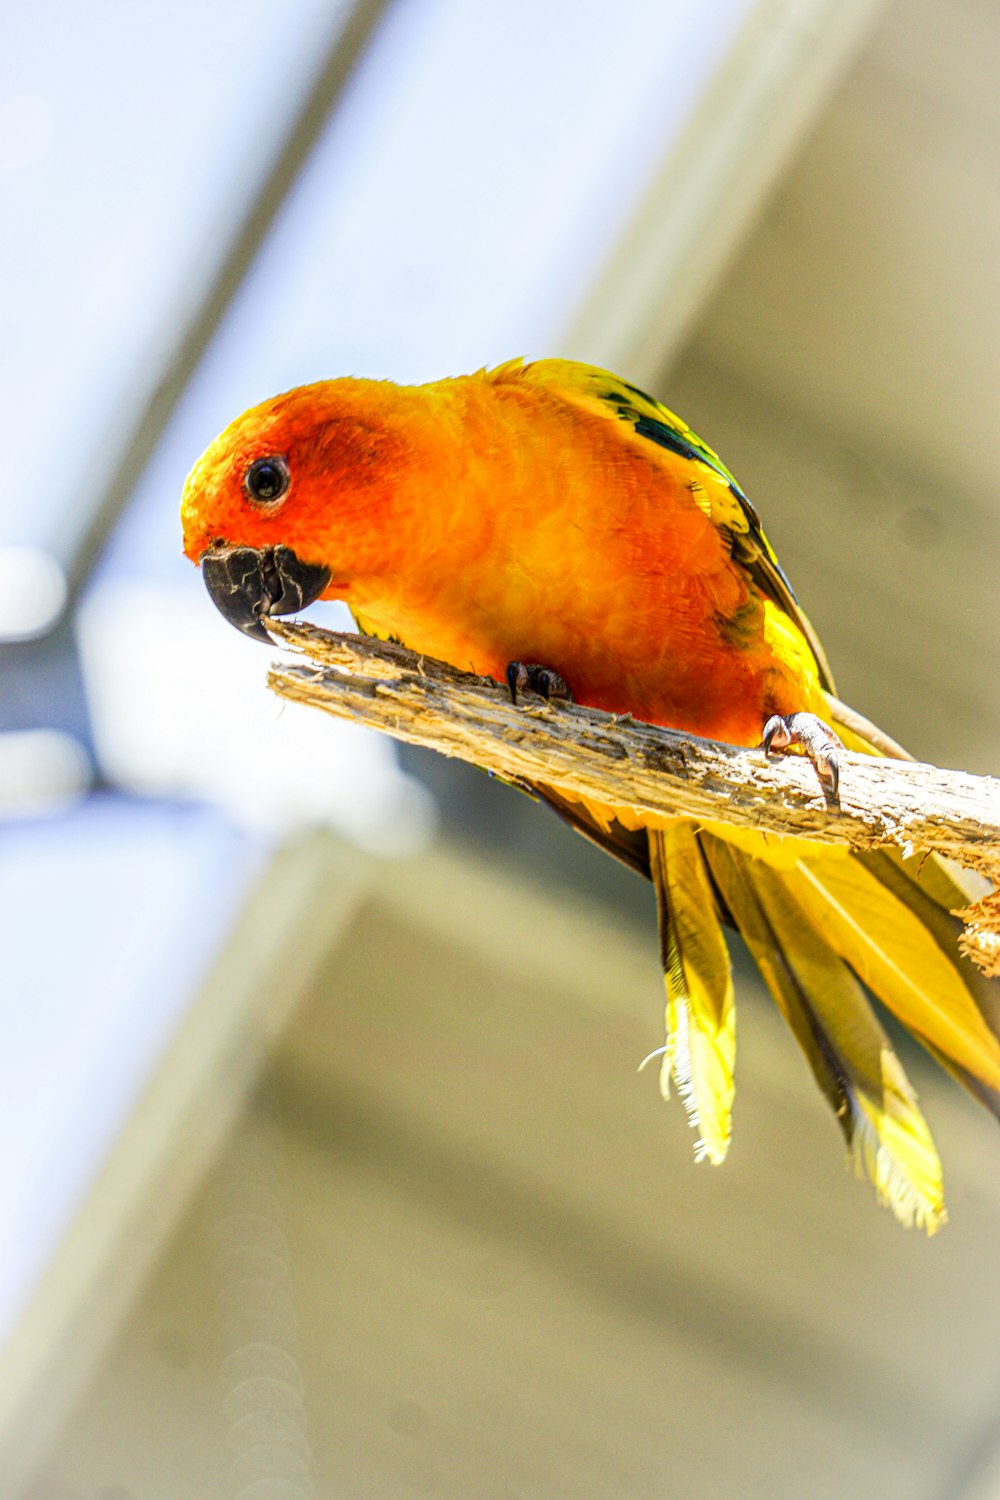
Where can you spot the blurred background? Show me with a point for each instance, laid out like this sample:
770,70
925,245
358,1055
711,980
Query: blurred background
324,1168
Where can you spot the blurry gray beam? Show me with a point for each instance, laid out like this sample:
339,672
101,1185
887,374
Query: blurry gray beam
349,42
975,1474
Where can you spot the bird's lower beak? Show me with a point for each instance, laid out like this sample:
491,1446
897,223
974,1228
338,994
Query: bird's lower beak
247,584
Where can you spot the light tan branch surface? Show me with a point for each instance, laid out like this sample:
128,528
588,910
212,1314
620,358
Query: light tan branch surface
656,772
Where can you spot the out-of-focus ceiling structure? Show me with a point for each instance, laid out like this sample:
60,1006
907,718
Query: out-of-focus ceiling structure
847,367
267,195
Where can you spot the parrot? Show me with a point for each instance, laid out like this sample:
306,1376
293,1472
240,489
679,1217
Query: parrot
550,525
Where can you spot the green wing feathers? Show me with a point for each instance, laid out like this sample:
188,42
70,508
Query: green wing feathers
610,394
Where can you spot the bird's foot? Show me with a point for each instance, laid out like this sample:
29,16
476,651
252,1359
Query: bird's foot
522,676
817,740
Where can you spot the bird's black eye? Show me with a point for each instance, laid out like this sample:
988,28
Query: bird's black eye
266,480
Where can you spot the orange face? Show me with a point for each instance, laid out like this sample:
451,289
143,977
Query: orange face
285,505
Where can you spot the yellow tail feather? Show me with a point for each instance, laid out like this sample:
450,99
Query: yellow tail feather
700,1050
894,952
850,1055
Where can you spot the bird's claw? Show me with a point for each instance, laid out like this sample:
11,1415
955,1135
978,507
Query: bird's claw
530,676
817,740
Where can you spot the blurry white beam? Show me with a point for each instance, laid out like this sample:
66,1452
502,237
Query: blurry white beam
180,712
138,206
779,70
42,771
32,592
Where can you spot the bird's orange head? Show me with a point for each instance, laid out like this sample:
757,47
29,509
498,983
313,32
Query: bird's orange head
291,502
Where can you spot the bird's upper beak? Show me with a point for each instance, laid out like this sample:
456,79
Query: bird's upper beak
247,584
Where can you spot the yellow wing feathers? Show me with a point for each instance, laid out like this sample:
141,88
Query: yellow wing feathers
700,1051
849,1053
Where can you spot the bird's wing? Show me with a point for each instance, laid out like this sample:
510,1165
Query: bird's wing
661,432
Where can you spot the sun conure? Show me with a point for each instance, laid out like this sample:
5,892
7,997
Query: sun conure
552,525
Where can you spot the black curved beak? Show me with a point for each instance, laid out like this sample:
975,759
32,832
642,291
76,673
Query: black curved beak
247,584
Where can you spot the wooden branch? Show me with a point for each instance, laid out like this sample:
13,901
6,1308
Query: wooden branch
655,772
